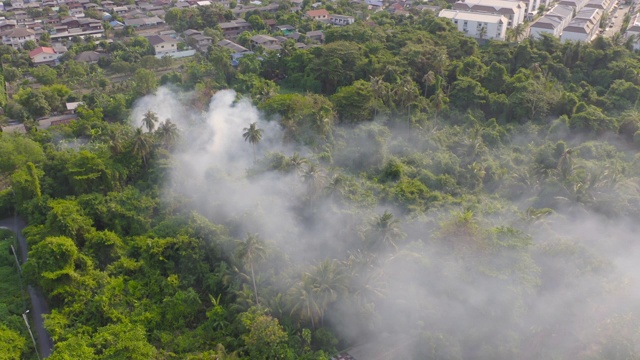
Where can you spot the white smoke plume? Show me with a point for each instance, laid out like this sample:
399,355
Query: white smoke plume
562,295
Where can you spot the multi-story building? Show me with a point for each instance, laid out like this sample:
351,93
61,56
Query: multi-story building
584,27
234,28
514,11
479,26
163,45
17,37
553,22
341,19
634,30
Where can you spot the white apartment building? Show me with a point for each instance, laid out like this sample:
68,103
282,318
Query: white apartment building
479,26
584,27
514,11
634,30
553,22
576,4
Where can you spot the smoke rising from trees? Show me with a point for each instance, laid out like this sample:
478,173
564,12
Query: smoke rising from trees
528,271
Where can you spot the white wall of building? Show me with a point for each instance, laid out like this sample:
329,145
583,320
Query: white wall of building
472,24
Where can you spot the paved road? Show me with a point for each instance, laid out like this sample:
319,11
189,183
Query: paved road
38,303
617,18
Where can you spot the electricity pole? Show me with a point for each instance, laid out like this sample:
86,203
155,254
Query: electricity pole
24,316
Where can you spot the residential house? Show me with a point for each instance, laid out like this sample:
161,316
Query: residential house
374,5
201,42
235,48
163,45
43,56
477,25
190,32
341,20
318,15
315,36
8,24
119,10
146,22
78,12
584,27
268,42
72,107
286,29
234,28
17,37
294,35
89,57
514,11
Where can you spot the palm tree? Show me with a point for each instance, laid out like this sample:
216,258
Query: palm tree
149,120
168,133
115,142
518,31
384,230
251,250
297,162
328,281
305,303
407,93
377,86
630,42
253,135
141,145
314,177
428,79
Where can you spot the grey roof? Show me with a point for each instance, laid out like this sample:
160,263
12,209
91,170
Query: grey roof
88,56
191,32
232,46
159,39
314,33
18,32
261,39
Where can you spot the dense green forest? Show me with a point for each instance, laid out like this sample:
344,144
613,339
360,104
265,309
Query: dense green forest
400,190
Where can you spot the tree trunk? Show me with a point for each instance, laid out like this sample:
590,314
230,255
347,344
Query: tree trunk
255,288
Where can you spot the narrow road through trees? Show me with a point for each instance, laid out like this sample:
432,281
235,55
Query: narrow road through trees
38,303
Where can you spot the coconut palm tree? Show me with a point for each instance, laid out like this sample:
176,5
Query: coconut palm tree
428,79
315,179
297,162
141,145
168,133
378,88
518,31
328,281
253,135
115,142
305,303
149,120
251,250
407,92
384,230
